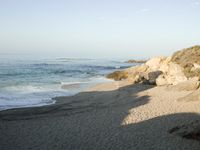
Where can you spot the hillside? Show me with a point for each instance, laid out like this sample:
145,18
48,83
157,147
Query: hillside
189,59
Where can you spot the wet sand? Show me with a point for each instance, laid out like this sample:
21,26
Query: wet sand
114,116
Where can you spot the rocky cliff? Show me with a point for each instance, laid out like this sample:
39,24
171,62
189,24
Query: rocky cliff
183,67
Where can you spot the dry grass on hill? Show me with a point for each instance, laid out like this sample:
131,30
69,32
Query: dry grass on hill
186,58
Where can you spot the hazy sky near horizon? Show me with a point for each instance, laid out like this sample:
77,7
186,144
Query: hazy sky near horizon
98,28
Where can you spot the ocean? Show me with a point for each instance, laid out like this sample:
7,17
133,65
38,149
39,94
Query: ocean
26,82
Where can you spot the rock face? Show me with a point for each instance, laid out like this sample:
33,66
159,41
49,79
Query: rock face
162,80
136,71
152,76
155,63
176,70
172,74
169,72
158,70
118,75
189,85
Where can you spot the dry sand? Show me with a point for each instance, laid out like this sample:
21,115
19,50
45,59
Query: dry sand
113,116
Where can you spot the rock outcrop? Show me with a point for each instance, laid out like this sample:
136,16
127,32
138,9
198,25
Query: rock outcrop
118,75
155,63
172,74
158,70
180,70
189,85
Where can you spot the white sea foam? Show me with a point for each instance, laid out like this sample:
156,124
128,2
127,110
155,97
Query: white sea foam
34,83
30,88
32,95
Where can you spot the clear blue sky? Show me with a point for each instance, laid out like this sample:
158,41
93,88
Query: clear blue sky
98,28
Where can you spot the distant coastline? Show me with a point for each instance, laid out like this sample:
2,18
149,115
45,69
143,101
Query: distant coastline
136,61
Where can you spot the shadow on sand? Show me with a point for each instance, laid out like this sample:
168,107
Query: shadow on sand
93,121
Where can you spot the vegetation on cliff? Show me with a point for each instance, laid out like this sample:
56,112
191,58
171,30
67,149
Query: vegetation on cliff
189,60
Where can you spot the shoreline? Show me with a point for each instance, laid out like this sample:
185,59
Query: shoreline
57,101
44,79
119,116
67,86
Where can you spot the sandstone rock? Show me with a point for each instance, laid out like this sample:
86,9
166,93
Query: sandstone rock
161,80
188,85
164,67
138,78
175,74
118,75
133,72
175,69
196,66
159,71
169,80
152,76
165,64
194,96
137,69
172,75
154,63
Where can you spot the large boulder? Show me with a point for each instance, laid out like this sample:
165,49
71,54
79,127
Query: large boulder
164,66
172,74
137,74
134,74
141,68
189,85
175,74
162,80
136,70
152,76
155,63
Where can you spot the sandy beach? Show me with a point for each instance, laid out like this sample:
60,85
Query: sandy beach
99,75
114,116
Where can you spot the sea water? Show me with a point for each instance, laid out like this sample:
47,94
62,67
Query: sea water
26,82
